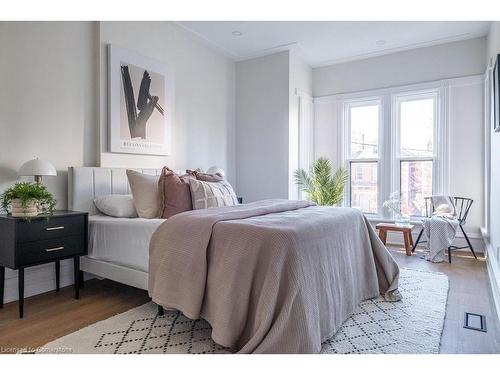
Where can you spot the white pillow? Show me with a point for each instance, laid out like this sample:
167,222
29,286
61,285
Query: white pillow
145,192
116,205
211,194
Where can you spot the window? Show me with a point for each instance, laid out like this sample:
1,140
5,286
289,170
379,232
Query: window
416,184
416,125
364,189
393,142
364,123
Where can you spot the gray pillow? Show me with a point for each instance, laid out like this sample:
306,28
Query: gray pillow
116,205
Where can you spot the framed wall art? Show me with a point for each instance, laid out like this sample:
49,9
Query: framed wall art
140,103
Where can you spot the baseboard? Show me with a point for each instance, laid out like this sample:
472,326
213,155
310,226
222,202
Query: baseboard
494,275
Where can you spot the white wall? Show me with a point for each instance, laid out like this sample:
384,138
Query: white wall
203,126
262,122
493,160
267,114
53,103
46,99
419,65
494,220
326,131
47,80
466,146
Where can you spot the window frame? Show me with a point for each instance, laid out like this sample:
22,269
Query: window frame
389,163
396,157
347,105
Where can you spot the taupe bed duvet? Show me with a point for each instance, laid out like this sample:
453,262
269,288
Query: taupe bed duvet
274,276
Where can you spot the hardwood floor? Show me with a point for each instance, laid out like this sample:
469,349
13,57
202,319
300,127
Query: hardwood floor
469,292
52,315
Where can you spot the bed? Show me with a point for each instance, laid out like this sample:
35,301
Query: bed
121,241
274,276
118,247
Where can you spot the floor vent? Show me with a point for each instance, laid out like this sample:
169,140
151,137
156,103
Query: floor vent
476,322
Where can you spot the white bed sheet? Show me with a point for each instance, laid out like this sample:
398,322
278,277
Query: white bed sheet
122,241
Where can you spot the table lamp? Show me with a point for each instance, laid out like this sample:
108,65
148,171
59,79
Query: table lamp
37,168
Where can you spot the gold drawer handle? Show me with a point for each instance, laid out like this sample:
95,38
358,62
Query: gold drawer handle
55,248
54,228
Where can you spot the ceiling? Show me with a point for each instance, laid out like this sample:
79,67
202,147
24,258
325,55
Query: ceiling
328,42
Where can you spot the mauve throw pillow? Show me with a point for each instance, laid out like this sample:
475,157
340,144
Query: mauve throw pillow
175,194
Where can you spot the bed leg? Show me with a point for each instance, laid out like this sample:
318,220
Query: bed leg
161,312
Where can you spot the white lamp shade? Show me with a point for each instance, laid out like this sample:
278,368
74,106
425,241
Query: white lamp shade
37,167
214,169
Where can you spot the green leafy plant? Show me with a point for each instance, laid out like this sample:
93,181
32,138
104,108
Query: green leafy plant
323,186
28,193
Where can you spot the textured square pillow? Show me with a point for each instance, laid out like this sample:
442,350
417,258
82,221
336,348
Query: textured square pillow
116,205
212,194
175,196
145,192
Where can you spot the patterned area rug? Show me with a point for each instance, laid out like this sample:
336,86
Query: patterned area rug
413,325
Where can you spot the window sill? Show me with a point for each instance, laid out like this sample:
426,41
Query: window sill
375,219
378,219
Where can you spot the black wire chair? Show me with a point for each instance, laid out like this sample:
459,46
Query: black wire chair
462,207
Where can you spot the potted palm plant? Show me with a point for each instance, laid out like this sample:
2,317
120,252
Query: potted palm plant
324,187
26,199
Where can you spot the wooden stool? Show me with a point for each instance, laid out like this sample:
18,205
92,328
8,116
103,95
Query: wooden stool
406,230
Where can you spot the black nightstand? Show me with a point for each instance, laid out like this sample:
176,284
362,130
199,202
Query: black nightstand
25,244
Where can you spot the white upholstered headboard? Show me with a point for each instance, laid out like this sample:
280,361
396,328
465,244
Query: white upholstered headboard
86,183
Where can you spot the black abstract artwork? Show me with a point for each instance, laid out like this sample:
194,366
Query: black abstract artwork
139,113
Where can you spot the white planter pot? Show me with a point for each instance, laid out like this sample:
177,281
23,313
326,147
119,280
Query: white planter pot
30,210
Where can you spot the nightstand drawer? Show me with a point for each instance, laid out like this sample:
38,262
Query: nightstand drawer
42,229
45,250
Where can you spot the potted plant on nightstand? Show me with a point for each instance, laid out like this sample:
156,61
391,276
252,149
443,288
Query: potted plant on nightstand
27,200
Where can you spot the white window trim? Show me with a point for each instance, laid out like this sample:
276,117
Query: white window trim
386,160
439,157
344,110
488,124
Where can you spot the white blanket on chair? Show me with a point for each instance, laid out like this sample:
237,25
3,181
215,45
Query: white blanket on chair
440,232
